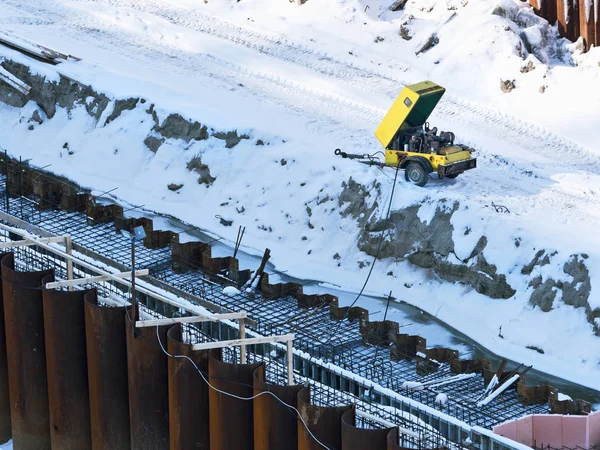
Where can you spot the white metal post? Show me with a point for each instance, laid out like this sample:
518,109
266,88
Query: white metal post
242,336
290,362
69,261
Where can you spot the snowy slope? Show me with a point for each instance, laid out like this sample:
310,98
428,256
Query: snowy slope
307,79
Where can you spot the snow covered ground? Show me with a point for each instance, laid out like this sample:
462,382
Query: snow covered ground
306,79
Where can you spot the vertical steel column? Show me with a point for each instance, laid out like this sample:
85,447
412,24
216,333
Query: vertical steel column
188,395
5,428
231,419
66,359
148,387
26,356
325,423
275,425
107,374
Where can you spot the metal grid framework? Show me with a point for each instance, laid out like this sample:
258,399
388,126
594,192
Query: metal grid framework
312,327
33,258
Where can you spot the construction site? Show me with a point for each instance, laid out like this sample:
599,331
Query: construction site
120,332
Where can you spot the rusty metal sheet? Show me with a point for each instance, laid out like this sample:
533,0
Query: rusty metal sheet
231,419
392,440
5,428
66,360
568,19
26,356
354,438
148,387
275,425
188,395
325,423
587,22
107,374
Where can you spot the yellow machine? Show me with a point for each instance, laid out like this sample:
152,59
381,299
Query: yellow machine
409,142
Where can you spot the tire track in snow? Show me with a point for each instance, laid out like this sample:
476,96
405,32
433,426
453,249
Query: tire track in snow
495,123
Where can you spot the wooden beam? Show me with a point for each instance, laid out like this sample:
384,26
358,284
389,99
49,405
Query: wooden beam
238,342
18,85
27,242
191,319
88,280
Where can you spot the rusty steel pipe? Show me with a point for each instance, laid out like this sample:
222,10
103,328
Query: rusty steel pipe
26,356
188,395
231,419
5,428
354,438
107,374
66,361
325,423
148,387
275,425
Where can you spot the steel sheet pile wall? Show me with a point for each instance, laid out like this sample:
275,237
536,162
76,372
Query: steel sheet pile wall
66,358
148,387
5,428
80,378
107,374
575,18
188,395
26,356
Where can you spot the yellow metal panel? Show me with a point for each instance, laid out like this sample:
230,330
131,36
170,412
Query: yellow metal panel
458,156
412,108
396,116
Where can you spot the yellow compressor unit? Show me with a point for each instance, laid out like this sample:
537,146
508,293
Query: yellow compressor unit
412,145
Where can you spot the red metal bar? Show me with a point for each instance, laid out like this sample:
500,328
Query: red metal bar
66,359
275,425
107,374
148,387
231,419
188,395
26,355
5,428
325,423
354,438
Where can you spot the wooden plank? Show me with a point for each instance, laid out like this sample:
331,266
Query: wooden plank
238,342
191,319
88,280
29,48
18,85
26,242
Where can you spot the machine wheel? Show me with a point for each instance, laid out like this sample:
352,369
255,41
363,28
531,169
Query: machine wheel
416,174
453,176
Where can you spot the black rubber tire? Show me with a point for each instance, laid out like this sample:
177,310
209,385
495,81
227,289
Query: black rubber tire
416,174
453,176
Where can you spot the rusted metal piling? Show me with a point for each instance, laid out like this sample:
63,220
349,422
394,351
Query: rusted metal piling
188,395
274,422
575,18
66,358
26,355
231,419
107,374
148,387
5,429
